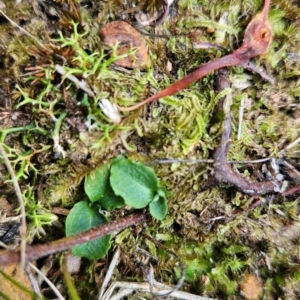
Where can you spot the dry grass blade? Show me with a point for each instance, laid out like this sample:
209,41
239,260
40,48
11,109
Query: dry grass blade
51,285
21,29
151,276
23,227
145,287
109,272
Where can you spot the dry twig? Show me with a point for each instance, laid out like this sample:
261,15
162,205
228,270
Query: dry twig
35,252
223,172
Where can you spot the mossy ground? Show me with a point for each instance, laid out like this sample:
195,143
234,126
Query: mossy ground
217,233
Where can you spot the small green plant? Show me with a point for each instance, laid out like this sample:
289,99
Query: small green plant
114,185
37,213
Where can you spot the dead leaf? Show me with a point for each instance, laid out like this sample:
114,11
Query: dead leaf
250,287
10,289
128,37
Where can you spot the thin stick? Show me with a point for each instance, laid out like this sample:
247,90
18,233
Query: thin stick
50,284
23,228
121,294
145,287
206,161
22,29
34,283
81,84
288,147
250,66
223,173
38,251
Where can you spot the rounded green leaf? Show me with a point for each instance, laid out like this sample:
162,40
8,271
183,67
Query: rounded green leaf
83,217
159,209
96,182
134,182
98,189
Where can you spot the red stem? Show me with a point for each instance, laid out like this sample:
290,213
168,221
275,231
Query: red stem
257,39
203,70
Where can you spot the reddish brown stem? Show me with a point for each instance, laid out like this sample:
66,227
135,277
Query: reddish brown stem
225,61
35,252
223,172
256,42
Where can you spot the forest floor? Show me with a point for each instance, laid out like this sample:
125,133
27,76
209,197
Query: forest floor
231,235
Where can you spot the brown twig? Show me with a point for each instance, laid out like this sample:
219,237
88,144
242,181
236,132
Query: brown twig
223,172
250,66
38,251
257,39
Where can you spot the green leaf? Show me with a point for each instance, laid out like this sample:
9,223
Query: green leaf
98,189
134,182
83,217
158,209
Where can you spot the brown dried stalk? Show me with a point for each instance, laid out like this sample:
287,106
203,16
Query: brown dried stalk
35,252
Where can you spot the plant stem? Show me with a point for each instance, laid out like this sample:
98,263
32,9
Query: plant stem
200,72
257,39
35,252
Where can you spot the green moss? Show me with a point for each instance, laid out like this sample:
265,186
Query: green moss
216,232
